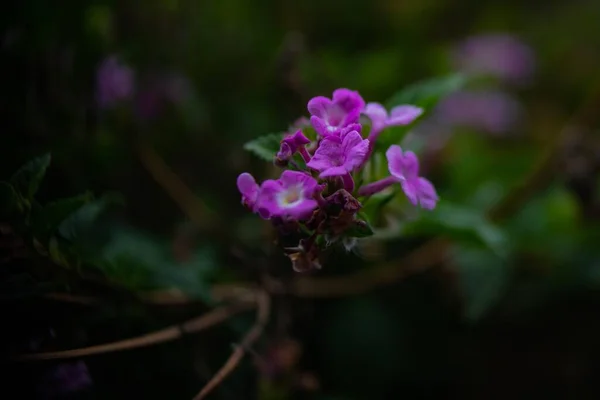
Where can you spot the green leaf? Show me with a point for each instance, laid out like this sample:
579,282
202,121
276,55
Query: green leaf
46,220
27,179
9,200
460,223
427,93
265,147
141,262
361,227
483,278
83,219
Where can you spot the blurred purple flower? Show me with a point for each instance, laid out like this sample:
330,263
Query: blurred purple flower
491,111
65,378
400,115
500,55
114,82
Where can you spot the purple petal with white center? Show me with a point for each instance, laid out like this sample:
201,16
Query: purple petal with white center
303,209
266,203
295,178
403,115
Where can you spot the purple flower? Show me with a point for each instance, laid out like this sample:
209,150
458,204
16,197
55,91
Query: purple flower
65,378
292,143
337,156
114,82
500,55
490,111
249,189
400,115
330,116
290,196
404,168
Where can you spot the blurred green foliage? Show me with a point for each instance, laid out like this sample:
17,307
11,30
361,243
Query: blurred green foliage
511,310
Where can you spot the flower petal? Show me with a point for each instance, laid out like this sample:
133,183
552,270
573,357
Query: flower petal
349,100
266,204
427,195
295,178
403,115
395,157
302,210
318,106
355,149
247,186
410,189
320,126
377,114
333,171
329,154
402,165
411,165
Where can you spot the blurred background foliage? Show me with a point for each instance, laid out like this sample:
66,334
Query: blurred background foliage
123,128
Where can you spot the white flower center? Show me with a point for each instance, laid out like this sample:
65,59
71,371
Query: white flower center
290,197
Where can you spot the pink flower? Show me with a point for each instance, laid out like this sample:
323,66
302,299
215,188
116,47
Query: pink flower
290,196
400,115
330,116
404,168
337,156
249,189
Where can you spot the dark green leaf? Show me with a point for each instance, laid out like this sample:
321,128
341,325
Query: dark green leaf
427,93
82,220
459,223
141,262
9,200
483,277
265,147
52,214
361,227
26,180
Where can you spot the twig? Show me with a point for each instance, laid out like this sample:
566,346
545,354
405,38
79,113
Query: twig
262,316
194,325
187,201
430,253
71,298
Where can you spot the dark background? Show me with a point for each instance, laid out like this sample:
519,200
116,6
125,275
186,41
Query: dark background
511,312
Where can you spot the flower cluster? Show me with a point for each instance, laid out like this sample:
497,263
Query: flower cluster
316,195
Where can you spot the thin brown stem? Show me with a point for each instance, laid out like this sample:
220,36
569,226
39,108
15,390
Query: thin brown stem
194,325
262,317
187,201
